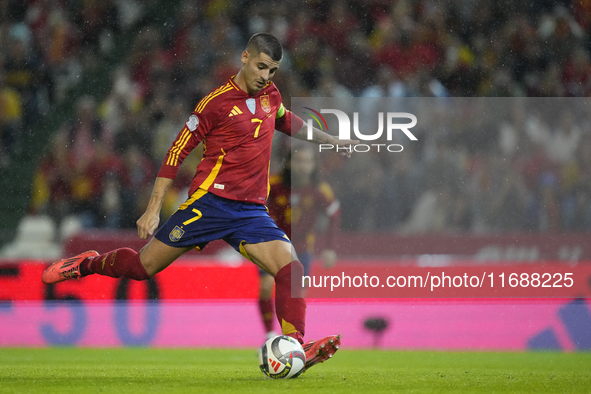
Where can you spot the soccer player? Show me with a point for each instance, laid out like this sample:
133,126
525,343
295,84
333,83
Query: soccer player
227,195
296,201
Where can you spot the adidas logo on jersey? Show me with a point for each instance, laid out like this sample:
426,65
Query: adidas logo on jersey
235,111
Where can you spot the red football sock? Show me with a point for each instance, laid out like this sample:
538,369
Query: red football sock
289,303
266,307
117,263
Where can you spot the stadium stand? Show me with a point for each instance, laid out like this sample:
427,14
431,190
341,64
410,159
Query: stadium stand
113,82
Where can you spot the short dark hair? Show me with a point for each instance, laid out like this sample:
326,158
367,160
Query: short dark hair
267,44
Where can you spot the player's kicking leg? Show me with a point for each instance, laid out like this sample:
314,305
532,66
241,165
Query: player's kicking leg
278,259
67,268
123,262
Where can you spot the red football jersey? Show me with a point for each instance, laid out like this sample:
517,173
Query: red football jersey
295,210
236,130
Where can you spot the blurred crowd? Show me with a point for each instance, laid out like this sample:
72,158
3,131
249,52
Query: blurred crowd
45,48
101,163
481,165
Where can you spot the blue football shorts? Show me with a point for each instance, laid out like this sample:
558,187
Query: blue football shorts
205,217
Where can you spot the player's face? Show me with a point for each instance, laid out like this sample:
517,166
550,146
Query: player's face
257,69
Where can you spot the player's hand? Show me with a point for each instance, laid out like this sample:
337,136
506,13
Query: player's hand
147,224
351,143
329,258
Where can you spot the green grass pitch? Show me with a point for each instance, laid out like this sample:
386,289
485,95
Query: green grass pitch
145,370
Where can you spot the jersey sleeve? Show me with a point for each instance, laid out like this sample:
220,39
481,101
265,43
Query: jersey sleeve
199,123
287,122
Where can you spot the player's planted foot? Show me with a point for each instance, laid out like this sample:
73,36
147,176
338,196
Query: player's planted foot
66,269
319,351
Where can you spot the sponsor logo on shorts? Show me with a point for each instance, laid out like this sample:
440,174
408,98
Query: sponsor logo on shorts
176,233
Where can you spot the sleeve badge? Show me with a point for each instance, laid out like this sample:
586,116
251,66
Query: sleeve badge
192,122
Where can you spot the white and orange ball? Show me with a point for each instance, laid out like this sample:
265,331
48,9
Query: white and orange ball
282,357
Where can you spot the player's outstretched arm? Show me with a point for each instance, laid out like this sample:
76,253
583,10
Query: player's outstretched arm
149,221
283,123
320,137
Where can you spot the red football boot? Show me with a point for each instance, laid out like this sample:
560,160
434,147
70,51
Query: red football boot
319,351
66,269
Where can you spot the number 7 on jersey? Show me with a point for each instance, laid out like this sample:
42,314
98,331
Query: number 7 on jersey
256,132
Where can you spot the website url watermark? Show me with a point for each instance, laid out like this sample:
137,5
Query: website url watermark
441,280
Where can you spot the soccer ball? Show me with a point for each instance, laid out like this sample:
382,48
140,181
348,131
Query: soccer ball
282,357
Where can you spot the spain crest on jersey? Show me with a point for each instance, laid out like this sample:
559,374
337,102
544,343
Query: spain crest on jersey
265,103
176,233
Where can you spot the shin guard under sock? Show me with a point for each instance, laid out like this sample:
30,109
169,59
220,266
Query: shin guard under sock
117,263
290,306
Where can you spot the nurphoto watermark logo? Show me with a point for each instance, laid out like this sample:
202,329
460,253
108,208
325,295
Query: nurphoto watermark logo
392,120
